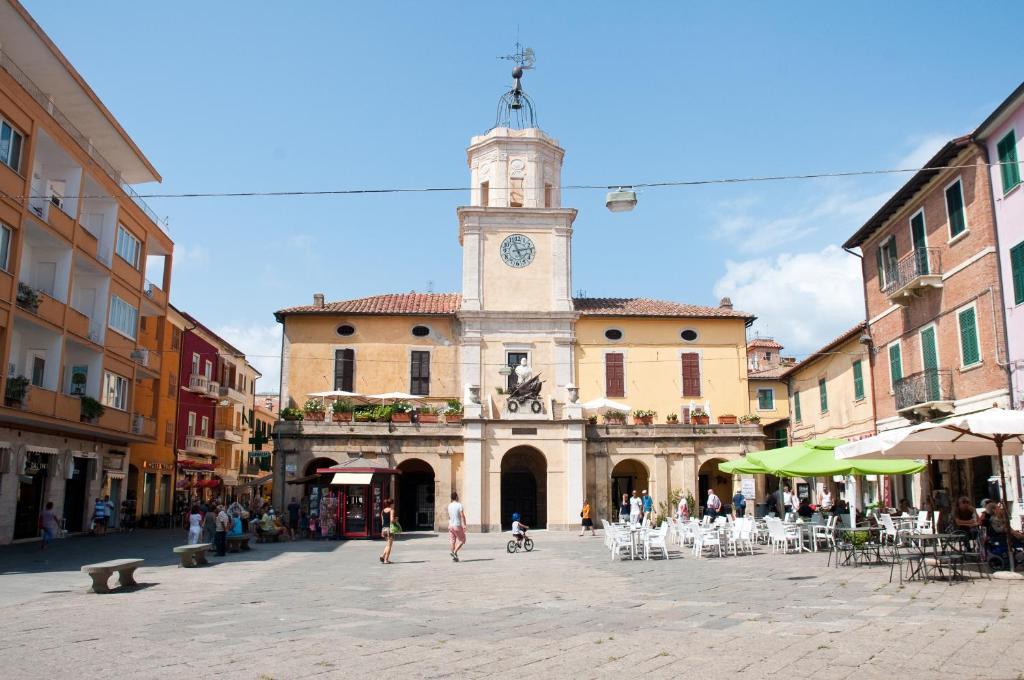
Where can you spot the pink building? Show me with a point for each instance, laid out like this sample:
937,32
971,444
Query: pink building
1000,135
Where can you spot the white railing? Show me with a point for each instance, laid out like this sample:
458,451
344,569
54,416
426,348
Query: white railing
202,445
199,383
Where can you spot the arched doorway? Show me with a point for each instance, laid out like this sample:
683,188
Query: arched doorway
524,487
710,477
416,495
627,476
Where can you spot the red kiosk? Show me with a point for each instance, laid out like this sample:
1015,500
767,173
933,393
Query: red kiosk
355,497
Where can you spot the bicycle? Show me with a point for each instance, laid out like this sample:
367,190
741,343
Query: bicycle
514,547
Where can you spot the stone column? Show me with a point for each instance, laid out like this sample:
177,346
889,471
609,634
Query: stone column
443,484
473,475
471,265
605,509
575,471
661,481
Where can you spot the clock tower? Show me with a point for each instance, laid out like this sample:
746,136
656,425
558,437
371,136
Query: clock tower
516,254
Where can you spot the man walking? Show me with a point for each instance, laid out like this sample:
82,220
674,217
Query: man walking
739,504
713,505
648,505
99,517
636,508
220,536
456,527
293,517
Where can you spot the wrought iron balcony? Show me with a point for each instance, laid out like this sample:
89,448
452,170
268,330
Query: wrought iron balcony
925,394
921,269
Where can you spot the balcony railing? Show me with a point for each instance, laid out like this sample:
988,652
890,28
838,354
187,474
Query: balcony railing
231,393
920,269
203,446
198,383
83,141
229,435
929,390
144,425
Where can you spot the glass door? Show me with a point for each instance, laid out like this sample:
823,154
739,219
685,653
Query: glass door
355,510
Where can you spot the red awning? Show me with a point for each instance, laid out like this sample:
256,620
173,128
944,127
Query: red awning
363,470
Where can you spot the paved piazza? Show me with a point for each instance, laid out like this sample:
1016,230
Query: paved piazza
319,609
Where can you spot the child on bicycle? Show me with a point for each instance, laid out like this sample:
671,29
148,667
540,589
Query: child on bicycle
518,529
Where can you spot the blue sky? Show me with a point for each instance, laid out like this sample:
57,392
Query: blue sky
261,96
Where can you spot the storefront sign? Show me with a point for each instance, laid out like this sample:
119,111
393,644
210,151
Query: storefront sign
113,462
747,487
291,468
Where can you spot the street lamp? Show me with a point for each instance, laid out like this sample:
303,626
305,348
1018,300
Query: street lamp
621,199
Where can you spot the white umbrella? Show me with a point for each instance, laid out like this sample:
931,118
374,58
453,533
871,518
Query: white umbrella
334,394
394,396
959,436
595,404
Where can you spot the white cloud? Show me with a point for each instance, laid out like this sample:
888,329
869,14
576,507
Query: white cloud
262,347
803,300
189,257
925,146
745,226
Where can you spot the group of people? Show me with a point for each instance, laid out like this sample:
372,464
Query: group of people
635,509
990,527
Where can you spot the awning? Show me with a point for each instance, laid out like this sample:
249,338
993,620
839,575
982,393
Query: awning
114,475
46,450
265,479
351,478
5,445
303,480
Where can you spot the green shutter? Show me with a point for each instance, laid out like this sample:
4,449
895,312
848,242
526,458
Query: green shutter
881,268
969,337
1009,170
895,364
796,406
823,394
930,362
765,400
955,208
858,381
1017,272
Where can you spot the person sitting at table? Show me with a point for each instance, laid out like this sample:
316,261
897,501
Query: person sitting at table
966,522
997,526
904,507
236,525
804,509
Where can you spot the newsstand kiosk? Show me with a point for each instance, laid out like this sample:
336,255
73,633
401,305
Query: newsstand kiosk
352,502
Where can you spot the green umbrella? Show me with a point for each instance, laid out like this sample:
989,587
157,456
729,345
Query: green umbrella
767,462
815,458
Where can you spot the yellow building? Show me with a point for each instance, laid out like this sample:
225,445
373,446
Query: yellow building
523,356
85,270
768,393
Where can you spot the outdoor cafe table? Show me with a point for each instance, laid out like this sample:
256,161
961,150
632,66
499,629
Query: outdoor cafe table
948,555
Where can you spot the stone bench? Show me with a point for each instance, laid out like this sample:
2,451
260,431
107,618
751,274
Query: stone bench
267,537
193,555
101,572
238,542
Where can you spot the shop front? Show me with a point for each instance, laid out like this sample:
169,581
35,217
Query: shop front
350,497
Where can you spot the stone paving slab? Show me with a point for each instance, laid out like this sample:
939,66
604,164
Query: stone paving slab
331,610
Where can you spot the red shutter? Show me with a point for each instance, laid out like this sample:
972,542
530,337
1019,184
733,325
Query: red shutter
614,375
691,374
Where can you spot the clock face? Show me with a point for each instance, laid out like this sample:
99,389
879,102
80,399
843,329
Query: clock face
517,250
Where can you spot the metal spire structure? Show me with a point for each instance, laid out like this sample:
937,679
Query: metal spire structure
515,108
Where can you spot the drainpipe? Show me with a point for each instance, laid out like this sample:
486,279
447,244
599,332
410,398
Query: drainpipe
871,356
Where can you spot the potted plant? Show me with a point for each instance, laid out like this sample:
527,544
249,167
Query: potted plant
592,420
672,419
750,419
644,416
92,410
453,412
615,417
699,416
427,414
16,390
314,410
28,298
362,414
291,413
401,412
341,411
727,419
499,390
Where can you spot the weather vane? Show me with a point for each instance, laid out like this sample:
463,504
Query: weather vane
515,109
523,57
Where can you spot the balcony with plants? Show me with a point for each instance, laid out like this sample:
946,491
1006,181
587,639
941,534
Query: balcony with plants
34,367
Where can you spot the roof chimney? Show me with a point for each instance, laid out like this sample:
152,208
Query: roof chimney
725,303
318,300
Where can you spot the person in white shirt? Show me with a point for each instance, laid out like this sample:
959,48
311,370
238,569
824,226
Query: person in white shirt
787,500
456,527
713,505
825,501
636,508
518,529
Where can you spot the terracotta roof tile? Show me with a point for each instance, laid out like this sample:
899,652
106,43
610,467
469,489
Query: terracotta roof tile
768,373
764,342
648,307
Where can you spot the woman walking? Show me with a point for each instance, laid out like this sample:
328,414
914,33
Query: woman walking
624,509
195,519
586,522
49,523
389,522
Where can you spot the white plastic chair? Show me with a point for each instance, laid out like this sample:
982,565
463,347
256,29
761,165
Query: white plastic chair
825,532
781,536
658,540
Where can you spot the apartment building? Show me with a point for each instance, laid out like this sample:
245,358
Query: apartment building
84,265
769,398
215,413
934,304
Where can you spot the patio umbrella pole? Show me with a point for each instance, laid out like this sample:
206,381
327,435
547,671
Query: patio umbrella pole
1002,481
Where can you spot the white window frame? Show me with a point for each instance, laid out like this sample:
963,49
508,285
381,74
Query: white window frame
110,318
770,390
6,237
888,363
700,369
15,130
881,246
134,243
963,203
977,334
112,396
208,369
604,372
920,349
192,423
195,363
205,426
910,228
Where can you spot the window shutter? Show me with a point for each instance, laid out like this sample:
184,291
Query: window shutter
955,207
969,337
858,381
344,369
1008,169
796,406
881,267
823,394
895,364
1017,269
614,375
691,374
419,373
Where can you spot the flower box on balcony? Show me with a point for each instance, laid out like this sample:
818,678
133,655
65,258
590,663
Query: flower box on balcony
453,418
727,420
342,417
699,417
401,417
643,420
427,417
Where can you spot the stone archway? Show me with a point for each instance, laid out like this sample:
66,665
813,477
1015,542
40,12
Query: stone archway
627,476
710,477
313,465
524,487
415,497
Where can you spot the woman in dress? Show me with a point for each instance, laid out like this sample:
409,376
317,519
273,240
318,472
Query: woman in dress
586,522
389,524
195,520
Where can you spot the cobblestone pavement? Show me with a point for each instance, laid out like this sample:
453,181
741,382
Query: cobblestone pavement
329,609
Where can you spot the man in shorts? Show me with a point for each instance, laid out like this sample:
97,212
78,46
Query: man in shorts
456,527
